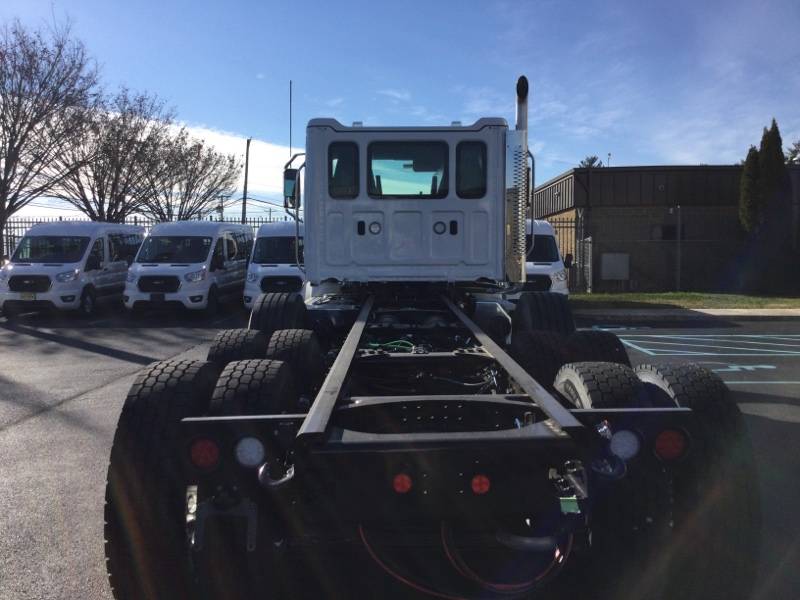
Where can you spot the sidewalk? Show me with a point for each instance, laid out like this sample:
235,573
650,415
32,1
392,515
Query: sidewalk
683,314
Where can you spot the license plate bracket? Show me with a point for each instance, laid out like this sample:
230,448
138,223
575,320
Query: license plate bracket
157,297
28,296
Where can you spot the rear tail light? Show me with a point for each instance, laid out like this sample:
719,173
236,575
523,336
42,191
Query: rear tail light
670,444
480,485
402,483
204,453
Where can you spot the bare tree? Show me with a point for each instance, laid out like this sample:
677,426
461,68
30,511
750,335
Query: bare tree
191,178
120,148
47,82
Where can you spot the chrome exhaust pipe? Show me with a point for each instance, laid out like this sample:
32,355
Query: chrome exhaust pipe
522,103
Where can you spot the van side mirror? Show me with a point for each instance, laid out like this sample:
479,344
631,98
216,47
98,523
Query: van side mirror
217,262
568,259
290,195
92,263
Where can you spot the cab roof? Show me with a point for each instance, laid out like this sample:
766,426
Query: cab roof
476,126
204,228
279,229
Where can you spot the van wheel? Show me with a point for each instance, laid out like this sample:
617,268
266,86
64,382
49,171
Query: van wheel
212,304
88,304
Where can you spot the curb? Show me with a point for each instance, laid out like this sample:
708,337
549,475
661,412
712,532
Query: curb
676,315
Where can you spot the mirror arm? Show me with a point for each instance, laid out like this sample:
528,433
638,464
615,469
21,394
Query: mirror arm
291,160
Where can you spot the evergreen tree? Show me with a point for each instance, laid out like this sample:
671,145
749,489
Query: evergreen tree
749,208
773,176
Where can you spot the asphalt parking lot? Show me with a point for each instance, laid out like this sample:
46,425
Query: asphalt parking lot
63,381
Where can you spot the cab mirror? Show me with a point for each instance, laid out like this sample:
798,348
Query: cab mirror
568,259
290,187
217,263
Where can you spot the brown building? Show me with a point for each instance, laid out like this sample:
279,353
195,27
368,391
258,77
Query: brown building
656,228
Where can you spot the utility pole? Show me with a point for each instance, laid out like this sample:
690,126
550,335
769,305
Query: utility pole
608,160
246,168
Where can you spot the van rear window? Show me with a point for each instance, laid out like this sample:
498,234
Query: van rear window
174,249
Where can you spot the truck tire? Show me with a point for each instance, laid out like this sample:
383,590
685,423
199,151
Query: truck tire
597,346
540,353
237,344
301,350
598,385
717,503
254,387
275,311
543,311
145,539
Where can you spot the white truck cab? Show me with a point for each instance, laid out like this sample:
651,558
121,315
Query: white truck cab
193,264
545,270
276,264
68,265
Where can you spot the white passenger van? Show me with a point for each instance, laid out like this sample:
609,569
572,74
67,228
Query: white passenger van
194,264
545,271
277,261
68,265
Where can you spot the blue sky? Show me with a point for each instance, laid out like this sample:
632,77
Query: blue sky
653,83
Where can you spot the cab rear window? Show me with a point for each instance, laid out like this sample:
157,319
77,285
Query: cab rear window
415,170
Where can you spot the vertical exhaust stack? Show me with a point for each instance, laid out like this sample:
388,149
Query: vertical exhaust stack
522,103
517,188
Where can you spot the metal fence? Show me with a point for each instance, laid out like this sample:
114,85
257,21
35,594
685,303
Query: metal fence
569,233
16,228
571,240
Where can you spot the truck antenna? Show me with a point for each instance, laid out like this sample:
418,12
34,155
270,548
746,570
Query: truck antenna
290,118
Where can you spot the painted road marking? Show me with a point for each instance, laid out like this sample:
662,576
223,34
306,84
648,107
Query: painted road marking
714,345
739,368
762,382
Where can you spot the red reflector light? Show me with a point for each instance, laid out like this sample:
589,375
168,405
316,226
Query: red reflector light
670,444
481,485
204,454
402,483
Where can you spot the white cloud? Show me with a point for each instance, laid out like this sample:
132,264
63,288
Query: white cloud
396,95
259,76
